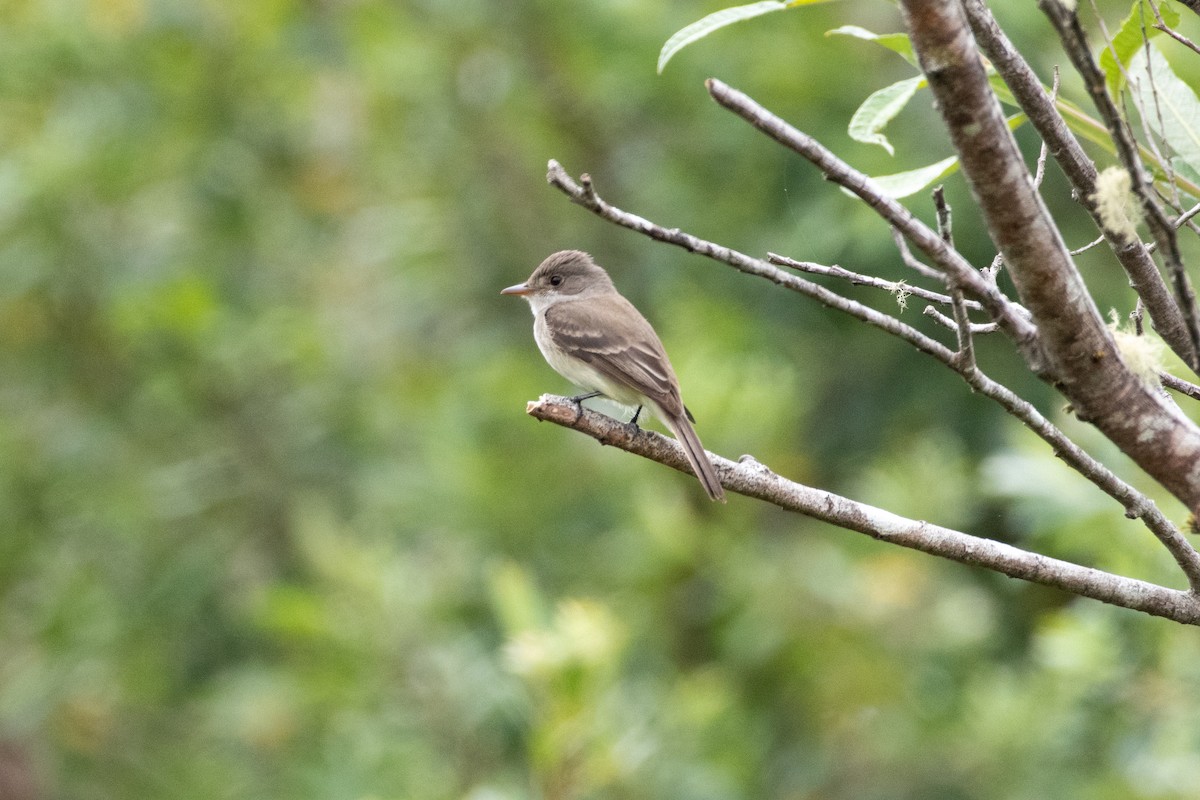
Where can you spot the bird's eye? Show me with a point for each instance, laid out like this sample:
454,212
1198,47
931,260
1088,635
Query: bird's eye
555,280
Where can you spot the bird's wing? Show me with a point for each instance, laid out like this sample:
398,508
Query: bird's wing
633,357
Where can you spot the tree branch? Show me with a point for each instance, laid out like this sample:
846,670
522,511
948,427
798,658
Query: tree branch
858,279
956,268
752,479
584,194
1084,360
1180,385
1136,505
1174,34
974,328
1133,255
1074,41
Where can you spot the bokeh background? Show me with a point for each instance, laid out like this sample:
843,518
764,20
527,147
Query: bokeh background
275,524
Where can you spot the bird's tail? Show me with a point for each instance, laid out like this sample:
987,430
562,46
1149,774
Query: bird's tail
686,435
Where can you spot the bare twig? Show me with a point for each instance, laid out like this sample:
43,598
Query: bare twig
584,193
858,279
965,356
1176,35
1136,505
1162,25
750,478
1082,355
1178,222
1044,150
1081,250
950,261
1187,215
1074,42
1180,385
945,223
975,328
912,262
1133,256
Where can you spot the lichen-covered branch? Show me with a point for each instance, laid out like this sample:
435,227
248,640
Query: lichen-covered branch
1084,360
956,270
1074,42
1136,505
750,478
1079,169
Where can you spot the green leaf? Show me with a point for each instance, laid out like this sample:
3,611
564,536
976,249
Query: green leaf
1170,14
1169,106
1129,40
880,108
896,42
902,184
1186,174
719,19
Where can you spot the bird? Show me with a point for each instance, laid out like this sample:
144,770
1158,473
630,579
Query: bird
595,338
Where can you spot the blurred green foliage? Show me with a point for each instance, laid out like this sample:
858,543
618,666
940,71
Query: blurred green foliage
275,524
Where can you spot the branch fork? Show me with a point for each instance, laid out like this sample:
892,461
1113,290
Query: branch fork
1056,327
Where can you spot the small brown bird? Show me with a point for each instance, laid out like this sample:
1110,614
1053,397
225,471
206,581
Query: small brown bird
596,339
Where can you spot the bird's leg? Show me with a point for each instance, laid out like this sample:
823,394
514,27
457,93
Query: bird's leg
636,414
579,398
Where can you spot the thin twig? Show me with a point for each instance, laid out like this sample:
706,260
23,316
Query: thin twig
992,270
945,220
965,356
1088,246
976,328
858,279
1176,35
1030,94
1183,219
950,261
1074,41
1081,357
1187,215
749,477
912,262
1136,505
1044,151
1180,385
1162,25
584,193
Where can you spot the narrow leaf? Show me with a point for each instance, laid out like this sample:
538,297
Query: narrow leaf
880,108
1169,106
896,42
718,19
902,184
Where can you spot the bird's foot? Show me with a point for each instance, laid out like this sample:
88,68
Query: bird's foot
578,401
632,425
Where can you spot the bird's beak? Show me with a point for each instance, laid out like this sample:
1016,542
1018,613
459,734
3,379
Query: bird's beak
520,288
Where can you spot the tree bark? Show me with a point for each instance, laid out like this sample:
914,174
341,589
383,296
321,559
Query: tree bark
751,478
1083,360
